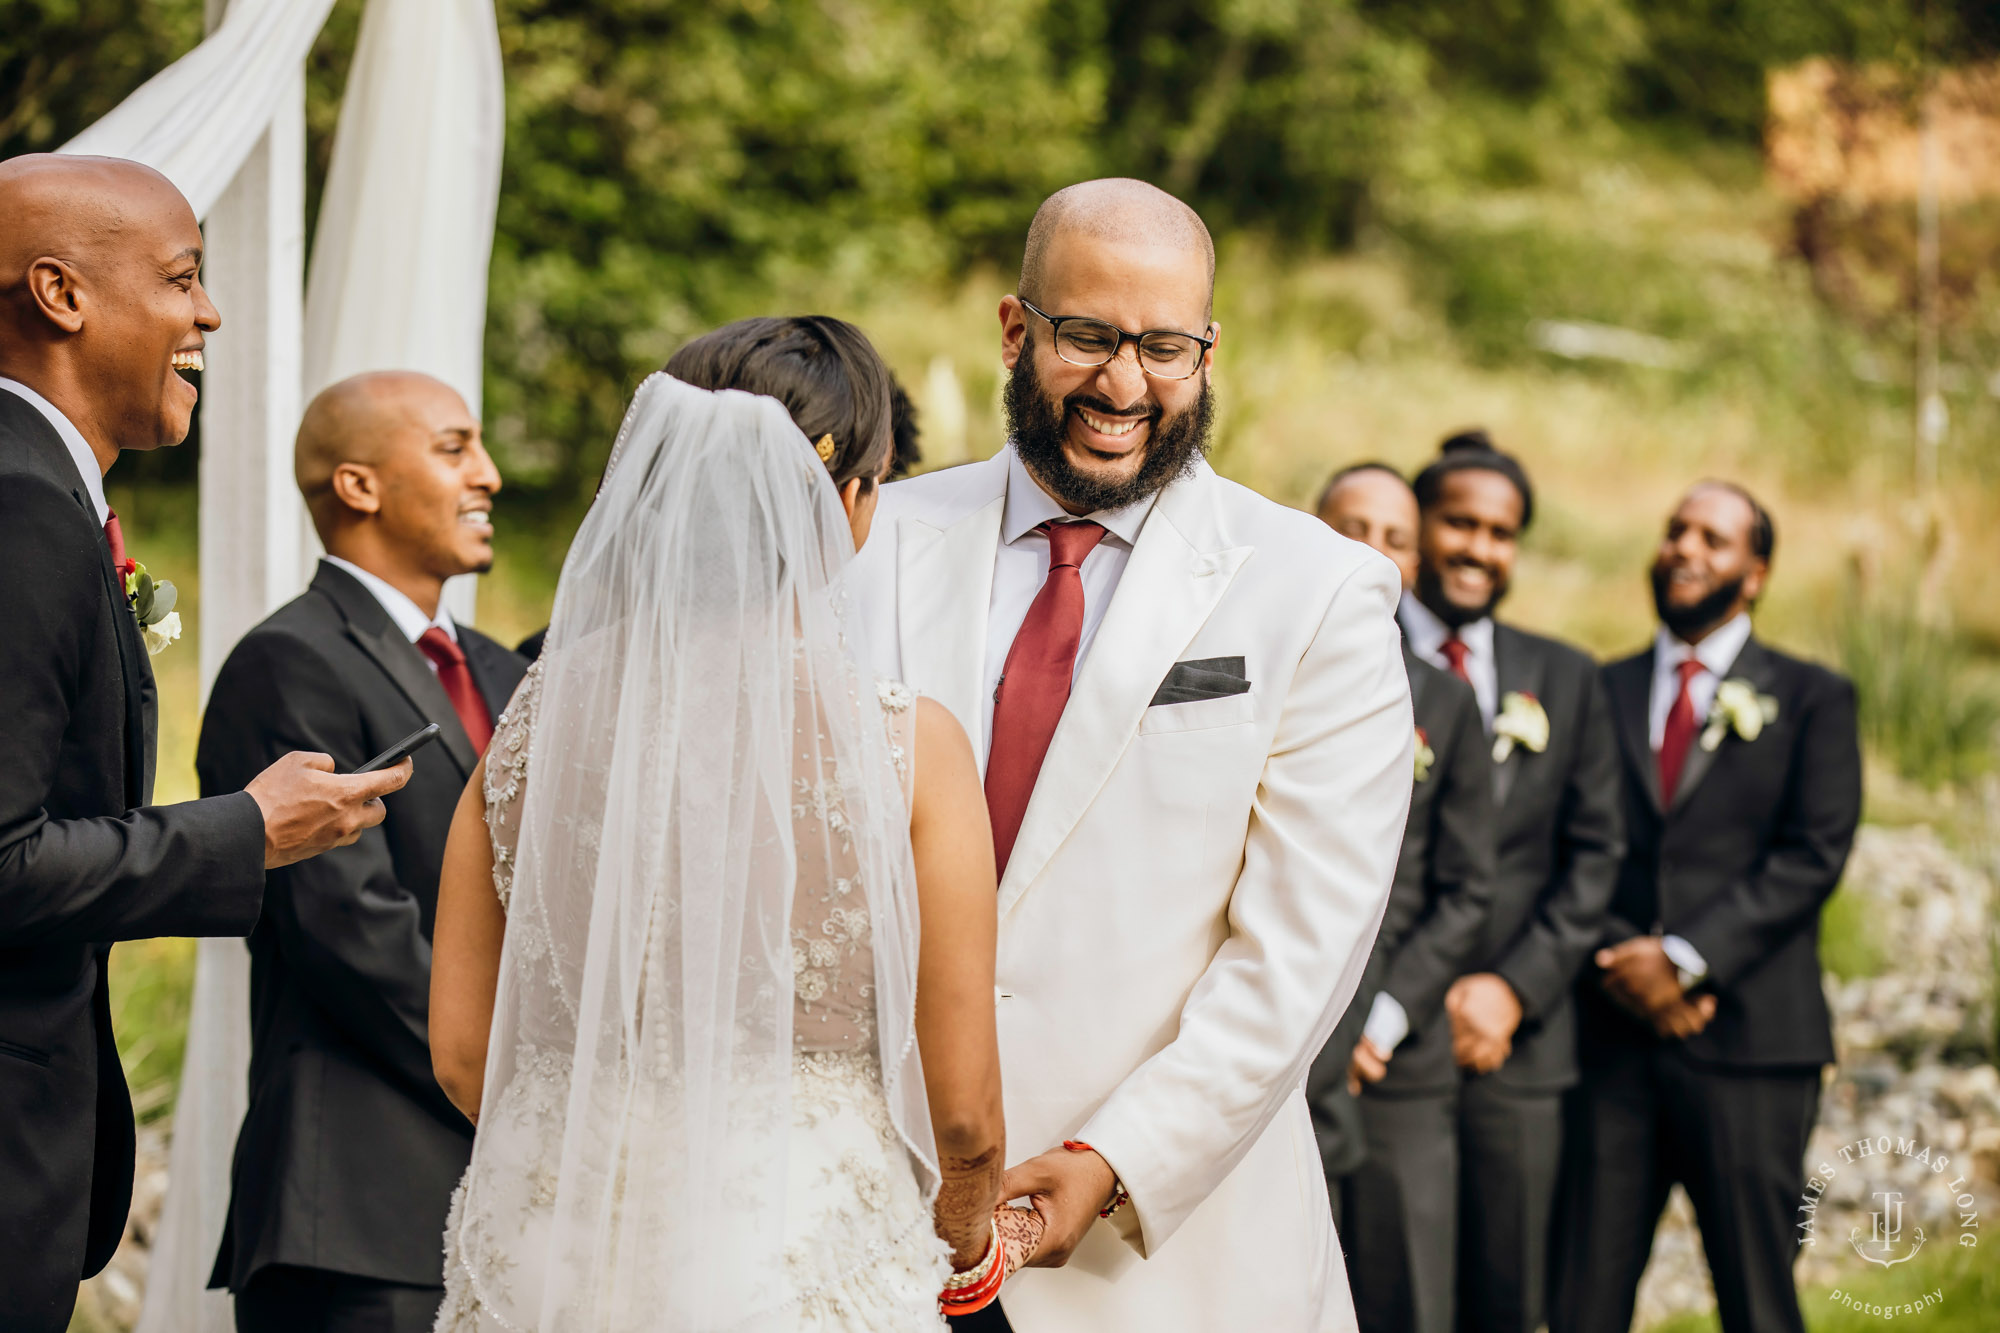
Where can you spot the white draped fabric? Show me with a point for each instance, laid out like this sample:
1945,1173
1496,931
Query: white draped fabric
398,280
197,120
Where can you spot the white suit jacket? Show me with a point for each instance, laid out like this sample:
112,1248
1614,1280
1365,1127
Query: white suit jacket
1195,886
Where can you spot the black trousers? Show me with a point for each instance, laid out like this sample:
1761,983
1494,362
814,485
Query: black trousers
989,1320
1399,1215
283,1299
1509,1145
1646,1118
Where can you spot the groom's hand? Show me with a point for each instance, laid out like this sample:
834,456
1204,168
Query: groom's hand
308,808
1069,1189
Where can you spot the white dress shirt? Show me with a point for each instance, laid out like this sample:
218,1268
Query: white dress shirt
409,617
1717,652
1021,566
1427,634
72,438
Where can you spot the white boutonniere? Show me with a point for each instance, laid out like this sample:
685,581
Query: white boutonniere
1523,722
1738,708
1425,755
152,604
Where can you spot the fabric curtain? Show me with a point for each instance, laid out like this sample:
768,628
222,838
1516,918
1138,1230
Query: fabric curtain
197,119
398,280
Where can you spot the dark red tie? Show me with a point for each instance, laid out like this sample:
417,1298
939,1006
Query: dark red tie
1034,686
466,700
1679,734
116,536
1455,653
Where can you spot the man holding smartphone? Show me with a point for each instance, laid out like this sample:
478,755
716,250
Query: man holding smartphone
349,1150
101,311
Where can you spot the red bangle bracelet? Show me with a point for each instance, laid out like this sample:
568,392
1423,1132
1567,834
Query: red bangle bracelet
1119,1195
970,1299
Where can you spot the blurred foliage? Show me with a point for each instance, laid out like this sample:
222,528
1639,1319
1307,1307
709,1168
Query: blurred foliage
1968,1287
1928,701
675,163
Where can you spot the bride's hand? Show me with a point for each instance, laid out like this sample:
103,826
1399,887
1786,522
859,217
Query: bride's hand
1020,1230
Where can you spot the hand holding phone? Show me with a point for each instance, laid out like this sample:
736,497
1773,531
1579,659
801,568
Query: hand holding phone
402,749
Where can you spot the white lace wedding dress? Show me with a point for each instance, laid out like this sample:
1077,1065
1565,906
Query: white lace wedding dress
860,1253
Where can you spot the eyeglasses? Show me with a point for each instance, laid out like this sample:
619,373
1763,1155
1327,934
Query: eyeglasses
1165,354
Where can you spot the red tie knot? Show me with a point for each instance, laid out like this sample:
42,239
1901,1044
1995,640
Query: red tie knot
1069,543
441,648
1689,669
1455,653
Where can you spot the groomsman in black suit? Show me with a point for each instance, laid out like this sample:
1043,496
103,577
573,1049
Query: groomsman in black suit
1704,1027
101,307
1384,1091
349,1150
1558,839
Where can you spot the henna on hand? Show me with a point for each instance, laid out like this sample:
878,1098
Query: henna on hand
1021,1232
968,1192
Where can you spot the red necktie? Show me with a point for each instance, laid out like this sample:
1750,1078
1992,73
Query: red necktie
1679,734
1455,652
466,700
1034,686
116,536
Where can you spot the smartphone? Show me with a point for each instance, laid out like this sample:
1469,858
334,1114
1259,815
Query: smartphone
402,749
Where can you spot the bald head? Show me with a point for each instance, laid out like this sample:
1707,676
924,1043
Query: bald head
392,467
1121,211
101,303
366,419
81,210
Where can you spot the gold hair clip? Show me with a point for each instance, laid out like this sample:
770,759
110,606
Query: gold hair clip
825,448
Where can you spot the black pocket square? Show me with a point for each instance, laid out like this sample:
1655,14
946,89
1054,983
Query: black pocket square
1204,678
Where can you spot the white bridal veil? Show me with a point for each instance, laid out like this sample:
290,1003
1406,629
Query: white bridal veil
702,690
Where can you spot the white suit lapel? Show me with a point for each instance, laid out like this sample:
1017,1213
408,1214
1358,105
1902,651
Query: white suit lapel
944,586
1179,570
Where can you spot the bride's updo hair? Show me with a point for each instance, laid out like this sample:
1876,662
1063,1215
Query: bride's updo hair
824,370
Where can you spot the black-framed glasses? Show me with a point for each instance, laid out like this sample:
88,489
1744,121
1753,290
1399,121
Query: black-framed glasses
1165,354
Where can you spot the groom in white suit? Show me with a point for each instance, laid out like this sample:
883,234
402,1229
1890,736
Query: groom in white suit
1190,707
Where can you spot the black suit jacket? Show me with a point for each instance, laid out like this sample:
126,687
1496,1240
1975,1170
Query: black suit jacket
83,862
1559,839
1742,863
1437,904
349,1150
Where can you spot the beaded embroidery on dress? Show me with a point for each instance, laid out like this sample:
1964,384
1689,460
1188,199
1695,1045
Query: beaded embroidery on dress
861,1255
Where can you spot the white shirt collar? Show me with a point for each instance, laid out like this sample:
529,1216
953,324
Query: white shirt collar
80,451
409,617
1428,633
1718,652
1029,506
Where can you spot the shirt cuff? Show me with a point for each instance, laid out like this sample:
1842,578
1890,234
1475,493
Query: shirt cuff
1686,959
1387,1023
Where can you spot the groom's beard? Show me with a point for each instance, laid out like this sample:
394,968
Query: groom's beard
1039,428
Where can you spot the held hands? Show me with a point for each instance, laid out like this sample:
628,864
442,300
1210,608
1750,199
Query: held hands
1067,1190
308,808
1021,1231
1484,1013
1368,1064
1639,976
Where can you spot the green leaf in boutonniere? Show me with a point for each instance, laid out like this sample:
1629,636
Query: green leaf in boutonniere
1522,721
152,603
1425,755
1740,709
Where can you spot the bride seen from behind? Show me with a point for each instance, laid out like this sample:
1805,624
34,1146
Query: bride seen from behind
721,1077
